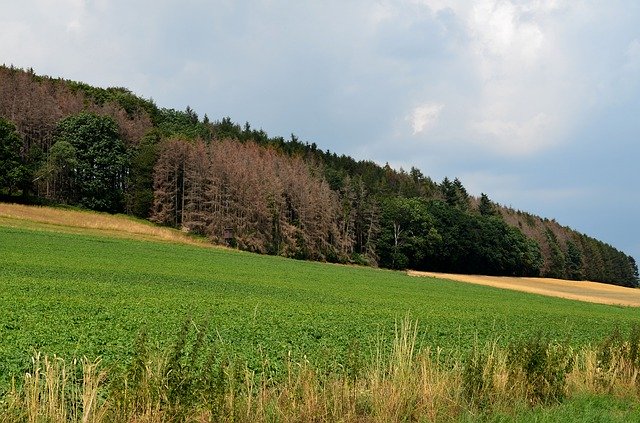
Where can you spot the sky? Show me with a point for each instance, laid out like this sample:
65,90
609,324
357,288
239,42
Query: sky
535,103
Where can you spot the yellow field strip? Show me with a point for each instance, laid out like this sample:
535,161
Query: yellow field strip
574,290
78,221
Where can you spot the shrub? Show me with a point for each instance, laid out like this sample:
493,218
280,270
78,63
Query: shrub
540,367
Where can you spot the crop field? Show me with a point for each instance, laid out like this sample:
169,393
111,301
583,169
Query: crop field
74,294
593,292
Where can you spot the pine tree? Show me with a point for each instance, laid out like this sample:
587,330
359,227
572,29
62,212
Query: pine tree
486,206
574,262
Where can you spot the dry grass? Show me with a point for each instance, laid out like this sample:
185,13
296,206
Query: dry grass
593,292
89,222
407,385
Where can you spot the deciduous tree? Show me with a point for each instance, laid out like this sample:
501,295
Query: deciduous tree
12,168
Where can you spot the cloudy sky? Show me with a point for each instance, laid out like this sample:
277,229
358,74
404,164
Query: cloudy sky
535,103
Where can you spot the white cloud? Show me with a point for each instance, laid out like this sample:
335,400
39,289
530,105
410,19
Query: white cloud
512,83
379,13
502,35
509,137
436,5
76,15
424,117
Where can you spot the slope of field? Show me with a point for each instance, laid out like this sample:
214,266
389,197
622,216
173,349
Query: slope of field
574,290
73,291
88,222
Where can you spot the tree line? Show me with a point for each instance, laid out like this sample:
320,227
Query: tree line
110,150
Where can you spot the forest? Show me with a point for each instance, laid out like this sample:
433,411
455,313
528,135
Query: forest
65,142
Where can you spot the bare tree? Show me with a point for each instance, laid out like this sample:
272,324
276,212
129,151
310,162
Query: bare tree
168,182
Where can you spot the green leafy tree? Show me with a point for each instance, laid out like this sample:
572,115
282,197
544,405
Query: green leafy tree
102,161
12,168
57,174
408,237
184,124
139,195
472,243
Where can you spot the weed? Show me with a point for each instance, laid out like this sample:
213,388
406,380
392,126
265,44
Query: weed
541,367
407,385
478,377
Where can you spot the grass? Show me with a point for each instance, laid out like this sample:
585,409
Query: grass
71,290
191,382
596,408
71,294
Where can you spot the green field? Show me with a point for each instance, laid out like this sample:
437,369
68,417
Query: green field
87,295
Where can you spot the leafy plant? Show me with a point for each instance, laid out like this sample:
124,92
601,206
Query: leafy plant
541,367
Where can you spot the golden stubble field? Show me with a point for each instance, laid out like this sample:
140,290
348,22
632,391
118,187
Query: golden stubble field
574,290
90,222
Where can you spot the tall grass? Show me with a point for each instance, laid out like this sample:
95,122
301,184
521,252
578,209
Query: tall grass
195,382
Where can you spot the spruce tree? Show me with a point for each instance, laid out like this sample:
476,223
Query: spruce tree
486,207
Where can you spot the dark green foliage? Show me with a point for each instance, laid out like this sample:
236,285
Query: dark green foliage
633,270
603,263
431,235
486,206
557,264
186,124
57,174
139,193
574,262
12,167
479,244
101,160
408,236
455,193
542,366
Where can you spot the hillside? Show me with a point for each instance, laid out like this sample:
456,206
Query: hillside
80,222
77,221
65,142
113,318
83,289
